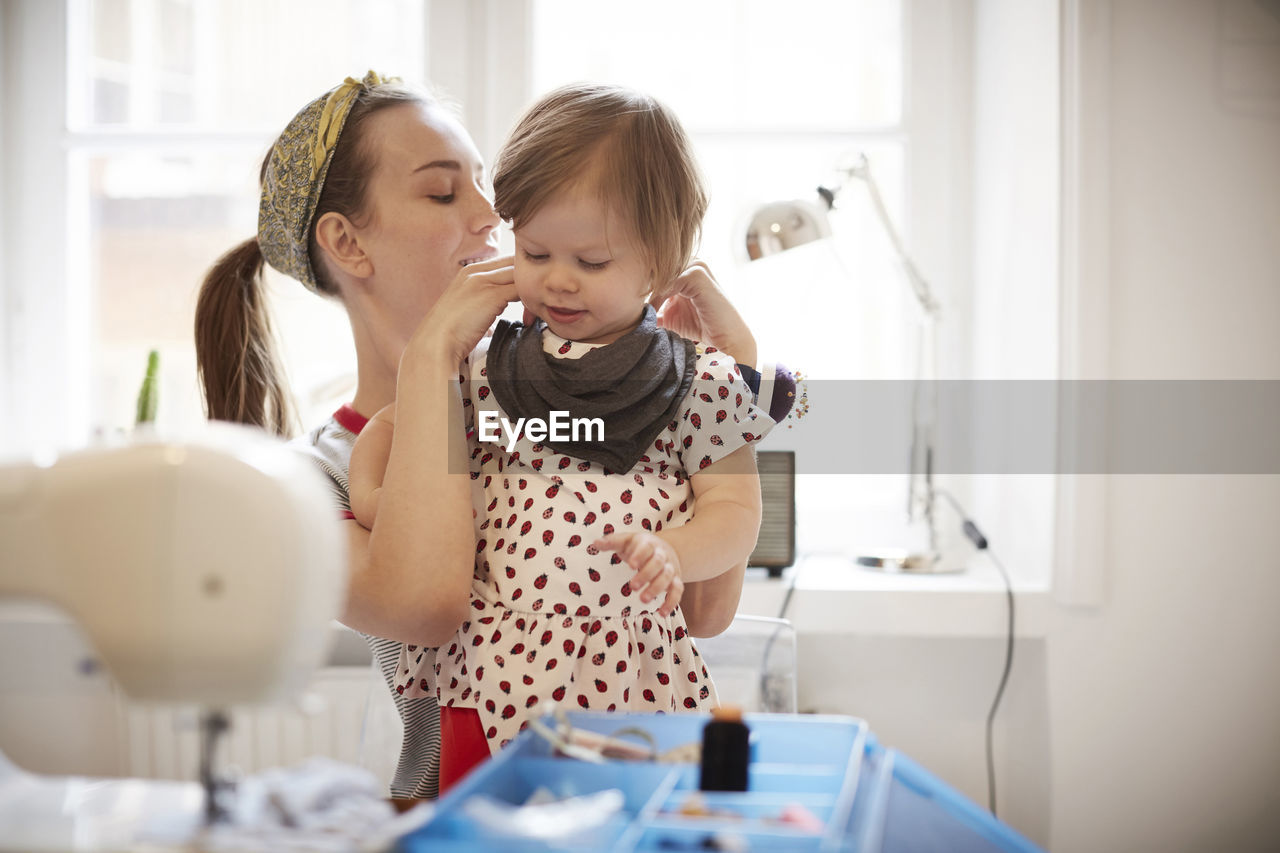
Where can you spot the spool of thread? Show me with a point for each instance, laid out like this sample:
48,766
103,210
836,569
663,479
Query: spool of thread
726,751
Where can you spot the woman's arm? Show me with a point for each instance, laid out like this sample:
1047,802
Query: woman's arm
369,465
709,606
411,576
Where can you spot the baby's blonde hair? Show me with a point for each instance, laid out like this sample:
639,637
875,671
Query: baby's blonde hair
631,146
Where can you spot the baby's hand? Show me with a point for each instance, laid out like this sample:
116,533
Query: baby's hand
656,563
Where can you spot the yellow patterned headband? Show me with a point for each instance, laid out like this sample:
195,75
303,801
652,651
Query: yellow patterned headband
295,173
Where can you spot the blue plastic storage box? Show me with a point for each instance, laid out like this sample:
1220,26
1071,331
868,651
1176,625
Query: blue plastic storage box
866,798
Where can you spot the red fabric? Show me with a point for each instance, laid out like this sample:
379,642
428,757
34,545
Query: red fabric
462,744
350,419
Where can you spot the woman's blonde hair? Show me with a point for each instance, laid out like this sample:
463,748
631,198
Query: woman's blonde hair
635,151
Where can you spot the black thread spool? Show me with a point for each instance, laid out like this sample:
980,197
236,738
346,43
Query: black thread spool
726,751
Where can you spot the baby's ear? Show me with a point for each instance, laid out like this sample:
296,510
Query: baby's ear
658,293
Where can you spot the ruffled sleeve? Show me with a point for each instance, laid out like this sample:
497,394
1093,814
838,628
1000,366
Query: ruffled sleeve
718,416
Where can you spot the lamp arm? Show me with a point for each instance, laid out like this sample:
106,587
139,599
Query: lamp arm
919,286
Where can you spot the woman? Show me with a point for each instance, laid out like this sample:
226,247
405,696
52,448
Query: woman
375,195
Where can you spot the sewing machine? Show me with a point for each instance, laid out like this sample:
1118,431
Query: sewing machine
204,572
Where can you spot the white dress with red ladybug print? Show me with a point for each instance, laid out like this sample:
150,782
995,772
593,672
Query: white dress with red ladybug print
551,616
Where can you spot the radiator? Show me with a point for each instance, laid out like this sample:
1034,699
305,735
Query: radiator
163,743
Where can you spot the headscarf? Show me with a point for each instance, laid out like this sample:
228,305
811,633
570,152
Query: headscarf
295,174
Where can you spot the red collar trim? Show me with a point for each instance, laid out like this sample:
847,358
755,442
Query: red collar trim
350,419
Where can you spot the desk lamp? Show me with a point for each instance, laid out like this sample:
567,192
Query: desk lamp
782,225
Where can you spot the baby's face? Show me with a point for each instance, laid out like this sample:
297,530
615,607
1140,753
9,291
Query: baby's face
579,268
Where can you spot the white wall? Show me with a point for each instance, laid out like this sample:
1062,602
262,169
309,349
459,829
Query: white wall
1152,721
1165,703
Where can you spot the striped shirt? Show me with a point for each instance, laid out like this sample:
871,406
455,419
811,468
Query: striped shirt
417,771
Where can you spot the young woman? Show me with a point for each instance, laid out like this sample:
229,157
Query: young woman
375,195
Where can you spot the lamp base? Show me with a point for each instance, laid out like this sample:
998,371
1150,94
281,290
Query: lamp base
911,562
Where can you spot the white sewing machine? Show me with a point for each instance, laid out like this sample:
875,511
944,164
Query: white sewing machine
204,572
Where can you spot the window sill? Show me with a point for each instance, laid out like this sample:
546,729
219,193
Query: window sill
832,595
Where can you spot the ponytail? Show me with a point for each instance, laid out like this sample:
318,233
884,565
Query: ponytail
236,358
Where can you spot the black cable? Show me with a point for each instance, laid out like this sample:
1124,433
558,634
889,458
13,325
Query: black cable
980,542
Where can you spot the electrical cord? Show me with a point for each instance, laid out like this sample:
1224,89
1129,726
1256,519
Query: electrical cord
766,687
979,541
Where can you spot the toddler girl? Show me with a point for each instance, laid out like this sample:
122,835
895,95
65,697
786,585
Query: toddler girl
584,541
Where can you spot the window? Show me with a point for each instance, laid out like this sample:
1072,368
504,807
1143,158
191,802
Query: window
148,166
131,163
774,101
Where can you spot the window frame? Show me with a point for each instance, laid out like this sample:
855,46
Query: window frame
44,289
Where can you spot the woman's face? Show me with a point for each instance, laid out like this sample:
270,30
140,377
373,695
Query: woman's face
430,210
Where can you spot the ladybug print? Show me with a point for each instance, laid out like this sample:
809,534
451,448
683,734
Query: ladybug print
596,641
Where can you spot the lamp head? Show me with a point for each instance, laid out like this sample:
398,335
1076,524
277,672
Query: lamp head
783,225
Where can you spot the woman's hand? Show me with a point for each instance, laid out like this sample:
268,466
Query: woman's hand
656,563
467,308
696,308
